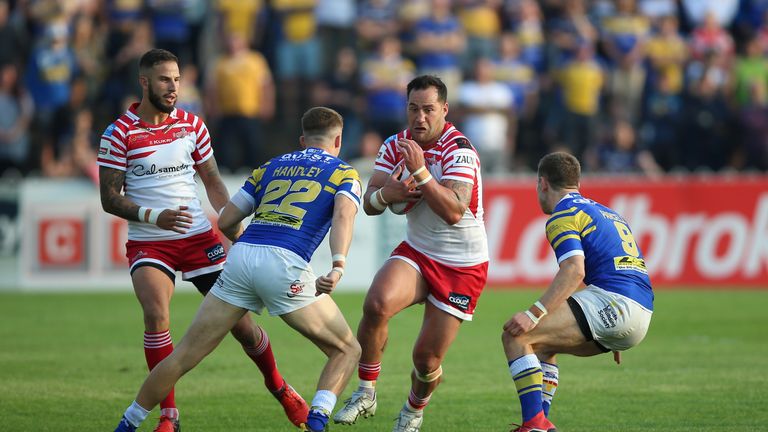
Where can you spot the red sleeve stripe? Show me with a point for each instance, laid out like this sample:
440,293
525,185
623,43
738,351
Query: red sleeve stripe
205,154
203,138
116,144
459,177
111,163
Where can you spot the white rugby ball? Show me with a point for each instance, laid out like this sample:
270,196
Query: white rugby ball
402,208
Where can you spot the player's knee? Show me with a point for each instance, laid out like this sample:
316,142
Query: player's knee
156,320
425,363
376,309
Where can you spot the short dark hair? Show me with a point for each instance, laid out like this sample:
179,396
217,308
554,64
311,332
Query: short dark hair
562,170
154,57
319,121
423,82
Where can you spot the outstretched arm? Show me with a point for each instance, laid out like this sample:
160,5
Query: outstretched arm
566,282
344,211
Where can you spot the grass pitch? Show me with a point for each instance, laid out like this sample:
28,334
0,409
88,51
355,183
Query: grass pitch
74,362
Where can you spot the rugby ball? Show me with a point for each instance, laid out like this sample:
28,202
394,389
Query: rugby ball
402,208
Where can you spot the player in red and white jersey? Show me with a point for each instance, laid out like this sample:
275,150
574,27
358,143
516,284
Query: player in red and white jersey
443,261
152,153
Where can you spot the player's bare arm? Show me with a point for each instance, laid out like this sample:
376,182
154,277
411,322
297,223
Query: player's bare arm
340,237
389,189
566,282
229,221
214,186
112,200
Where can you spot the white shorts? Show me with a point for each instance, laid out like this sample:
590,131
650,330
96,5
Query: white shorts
256,276
614,321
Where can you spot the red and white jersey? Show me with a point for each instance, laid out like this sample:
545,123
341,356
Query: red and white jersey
159,163
452,157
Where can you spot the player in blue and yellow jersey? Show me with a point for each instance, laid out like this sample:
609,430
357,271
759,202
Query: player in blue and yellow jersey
294,199
594,245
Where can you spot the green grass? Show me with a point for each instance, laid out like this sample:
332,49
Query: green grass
74,362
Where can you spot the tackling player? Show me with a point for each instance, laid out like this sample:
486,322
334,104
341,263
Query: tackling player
294,199
443,261
592,244
152,152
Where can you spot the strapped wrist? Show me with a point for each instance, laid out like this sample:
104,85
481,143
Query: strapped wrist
533,317
424,181
541,307
339,270
419,171
339,257
376,203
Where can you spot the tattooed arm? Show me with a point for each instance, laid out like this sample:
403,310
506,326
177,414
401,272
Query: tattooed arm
112,201
448,199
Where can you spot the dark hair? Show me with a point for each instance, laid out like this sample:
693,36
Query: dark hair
319,121
156,56
424,82
562,170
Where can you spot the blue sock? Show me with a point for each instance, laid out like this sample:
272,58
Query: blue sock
125,426
526,372
317,419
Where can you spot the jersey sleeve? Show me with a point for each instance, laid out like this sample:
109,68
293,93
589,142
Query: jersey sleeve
252,185
203,149
388,156
347,183
460,162
112,149
564,232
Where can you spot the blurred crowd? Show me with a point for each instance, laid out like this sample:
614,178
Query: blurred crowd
645,86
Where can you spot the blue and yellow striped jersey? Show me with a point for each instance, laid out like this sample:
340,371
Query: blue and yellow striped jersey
612,259
294,198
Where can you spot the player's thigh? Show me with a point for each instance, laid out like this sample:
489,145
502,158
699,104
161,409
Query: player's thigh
438,331
559,332
153,288
212,322
323,323
396,286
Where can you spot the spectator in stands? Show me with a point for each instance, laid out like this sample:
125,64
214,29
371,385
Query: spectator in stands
440,42
660,130
16,110
123,18
170,27
517,74
385,77
336,30
621,154
697,12
753,125
240,17
88,47
241,96
710,37
482,26
12,37
572,30
121,82
341,91
376,20
486,109
581,82
298,54
624,38
525,22
73,154
667,53
50,72
750,69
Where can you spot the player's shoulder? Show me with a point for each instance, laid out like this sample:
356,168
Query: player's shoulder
454,140
188,117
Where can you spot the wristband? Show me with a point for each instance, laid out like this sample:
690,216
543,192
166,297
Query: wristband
381,197
375,203
339,270
148,215
153,215
339,257
418,171
425,181
541,307
532,317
